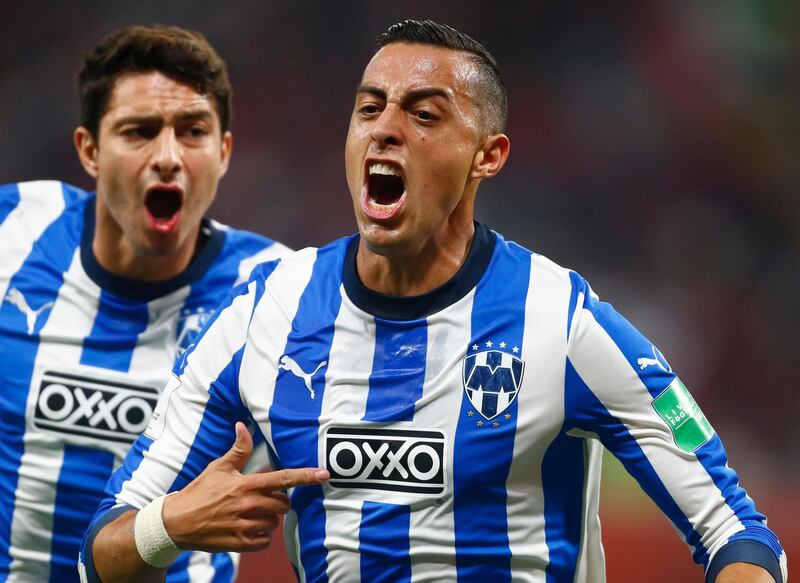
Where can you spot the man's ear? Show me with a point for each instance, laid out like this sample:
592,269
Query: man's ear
226,150
491,157
86,146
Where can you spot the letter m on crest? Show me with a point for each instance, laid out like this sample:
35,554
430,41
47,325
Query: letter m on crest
492,379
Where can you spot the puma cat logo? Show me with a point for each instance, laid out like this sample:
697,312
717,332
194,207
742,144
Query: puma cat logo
287,363
644,362
15,298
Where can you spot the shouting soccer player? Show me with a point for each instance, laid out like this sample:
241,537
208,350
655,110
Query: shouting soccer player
101,291
457,387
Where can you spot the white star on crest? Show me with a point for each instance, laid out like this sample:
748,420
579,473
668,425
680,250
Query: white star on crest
489,343
474,347
515,349
502,345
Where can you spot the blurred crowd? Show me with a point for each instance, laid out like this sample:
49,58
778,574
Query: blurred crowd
654,150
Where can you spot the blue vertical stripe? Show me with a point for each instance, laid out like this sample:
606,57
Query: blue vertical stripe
563,479
398,370
294,414
9,199
481,523
79,490
383,543
395,386
39,280
116,328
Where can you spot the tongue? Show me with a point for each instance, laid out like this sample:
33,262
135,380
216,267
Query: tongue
384,189
163,210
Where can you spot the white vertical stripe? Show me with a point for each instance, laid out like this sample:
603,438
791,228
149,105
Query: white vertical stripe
270,253
540,406
606,371
40,203
345,402
432,528
60,346
154,353
591,560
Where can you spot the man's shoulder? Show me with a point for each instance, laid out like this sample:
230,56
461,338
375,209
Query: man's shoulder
539,260
43,192
303,262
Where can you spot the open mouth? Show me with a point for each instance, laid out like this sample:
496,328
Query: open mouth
384,184
163,207
384,190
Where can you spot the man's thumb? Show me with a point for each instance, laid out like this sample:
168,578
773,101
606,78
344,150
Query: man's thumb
241,449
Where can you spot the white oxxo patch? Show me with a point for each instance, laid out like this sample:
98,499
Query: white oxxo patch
93,407
393,460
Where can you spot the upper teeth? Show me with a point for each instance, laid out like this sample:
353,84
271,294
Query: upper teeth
385,169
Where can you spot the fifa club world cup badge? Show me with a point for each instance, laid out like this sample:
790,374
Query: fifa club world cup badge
190,323
492,376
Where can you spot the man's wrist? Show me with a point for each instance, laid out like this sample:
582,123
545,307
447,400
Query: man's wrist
153,542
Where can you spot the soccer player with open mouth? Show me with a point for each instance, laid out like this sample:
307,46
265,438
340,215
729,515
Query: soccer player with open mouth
456,389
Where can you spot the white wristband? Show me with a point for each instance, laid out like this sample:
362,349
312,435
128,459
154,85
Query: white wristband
152,541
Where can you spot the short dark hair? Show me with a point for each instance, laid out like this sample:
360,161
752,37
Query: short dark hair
183,55
491,88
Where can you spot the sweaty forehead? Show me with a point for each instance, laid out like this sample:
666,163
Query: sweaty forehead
401,67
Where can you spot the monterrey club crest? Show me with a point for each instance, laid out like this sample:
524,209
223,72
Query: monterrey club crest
492,379
190,323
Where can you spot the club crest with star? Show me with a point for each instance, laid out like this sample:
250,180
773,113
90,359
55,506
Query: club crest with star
492,377
190,324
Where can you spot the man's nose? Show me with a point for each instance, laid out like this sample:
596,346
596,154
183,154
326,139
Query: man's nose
167,156
387,129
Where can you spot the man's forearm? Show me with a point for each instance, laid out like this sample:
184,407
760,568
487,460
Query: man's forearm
116,557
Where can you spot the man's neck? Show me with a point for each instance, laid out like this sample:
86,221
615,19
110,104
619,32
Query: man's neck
418,271
123,260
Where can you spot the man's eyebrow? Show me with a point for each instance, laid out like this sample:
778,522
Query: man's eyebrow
411,96
372,90
426,92
184,116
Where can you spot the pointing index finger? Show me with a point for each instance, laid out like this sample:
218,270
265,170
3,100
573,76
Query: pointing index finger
291,477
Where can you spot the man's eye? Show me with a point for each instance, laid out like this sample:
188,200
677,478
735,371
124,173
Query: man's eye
425,115
197,131
143,132
370,109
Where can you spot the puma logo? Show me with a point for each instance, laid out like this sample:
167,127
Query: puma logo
15,298
287,363
644,362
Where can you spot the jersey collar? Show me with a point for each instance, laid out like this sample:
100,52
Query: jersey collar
421,306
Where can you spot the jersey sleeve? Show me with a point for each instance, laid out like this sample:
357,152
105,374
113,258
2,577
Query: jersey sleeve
621,389
193,423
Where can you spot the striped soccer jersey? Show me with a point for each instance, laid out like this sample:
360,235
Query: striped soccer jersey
84,355
462,429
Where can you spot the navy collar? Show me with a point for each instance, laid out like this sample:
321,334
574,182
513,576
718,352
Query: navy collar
422,306
145,291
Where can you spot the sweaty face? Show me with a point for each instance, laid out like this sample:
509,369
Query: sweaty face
413,135
159,157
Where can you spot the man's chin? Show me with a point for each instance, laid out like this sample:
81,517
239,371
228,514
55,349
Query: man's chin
382,239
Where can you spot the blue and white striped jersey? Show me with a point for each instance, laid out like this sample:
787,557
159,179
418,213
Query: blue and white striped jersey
84,355
462,429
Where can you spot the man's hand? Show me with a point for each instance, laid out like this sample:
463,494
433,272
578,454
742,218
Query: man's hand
224,510
744,573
